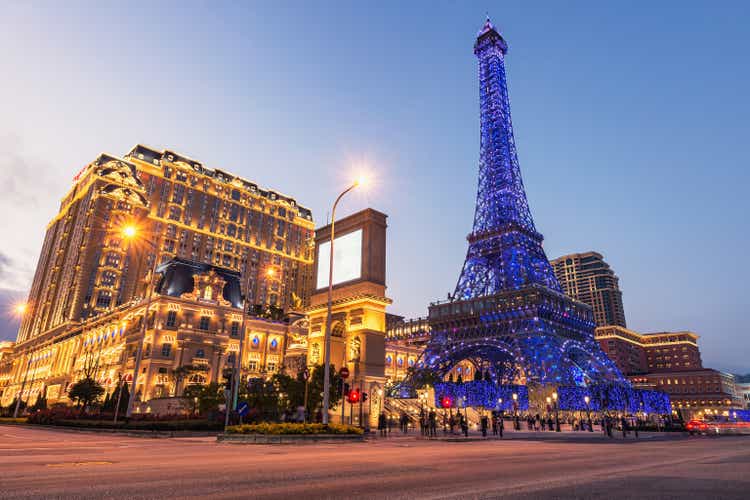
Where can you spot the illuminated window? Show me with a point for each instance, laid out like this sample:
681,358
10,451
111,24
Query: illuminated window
171,319
204,323
166,350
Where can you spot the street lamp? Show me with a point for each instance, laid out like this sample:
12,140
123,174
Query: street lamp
588,413
557,413
327,369
130,232
516,422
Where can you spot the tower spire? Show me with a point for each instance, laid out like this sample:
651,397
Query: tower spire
505,250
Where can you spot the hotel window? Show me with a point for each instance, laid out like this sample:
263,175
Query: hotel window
171,319
166,350
252,365
271,366
204,323
235,329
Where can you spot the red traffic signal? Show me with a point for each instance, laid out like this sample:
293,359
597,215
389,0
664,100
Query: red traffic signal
446,402
353,396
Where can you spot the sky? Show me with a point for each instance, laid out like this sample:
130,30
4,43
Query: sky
630,120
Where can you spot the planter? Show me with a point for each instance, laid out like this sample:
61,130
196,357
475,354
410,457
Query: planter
288,438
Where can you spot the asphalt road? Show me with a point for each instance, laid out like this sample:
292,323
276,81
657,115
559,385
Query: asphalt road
40,463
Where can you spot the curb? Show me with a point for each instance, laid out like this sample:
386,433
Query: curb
288,438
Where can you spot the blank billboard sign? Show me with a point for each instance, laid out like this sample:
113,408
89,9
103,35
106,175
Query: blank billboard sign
347,259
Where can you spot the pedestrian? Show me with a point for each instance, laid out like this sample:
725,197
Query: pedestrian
624,425
483,424
501,426
390,424
494,424
382,424
635,427
404,423
544,424
452,424
432,422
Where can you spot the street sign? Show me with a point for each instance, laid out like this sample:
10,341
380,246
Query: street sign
344,372
243,409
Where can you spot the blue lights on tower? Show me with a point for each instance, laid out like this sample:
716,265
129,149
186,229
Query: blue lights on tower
508,316
505,249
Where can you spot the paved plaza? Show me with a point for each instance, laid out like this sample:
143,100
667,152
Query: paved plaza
48,463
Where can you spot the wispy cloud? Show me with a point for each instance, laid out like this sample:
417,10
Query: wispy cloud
31,190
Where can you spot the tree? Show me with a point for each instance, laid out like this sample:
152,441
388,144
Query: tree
208,397
85,391
263,396
41,401
315,397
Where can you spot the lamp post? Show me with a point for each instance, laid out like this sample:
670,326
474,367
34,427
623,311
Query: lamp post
20,309
327,340
557,413
23,385
237,367
131,232
588,413
516,423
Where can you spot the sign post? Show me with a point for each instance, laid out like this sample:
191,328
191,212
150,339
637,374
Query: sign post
306,374
344,374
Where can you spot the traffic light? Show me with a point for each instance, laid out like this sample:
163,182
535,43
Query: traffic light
354,396
228,379
364,397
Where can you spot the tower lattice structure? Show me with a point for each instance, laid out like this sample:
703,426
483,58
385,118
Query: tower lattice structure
508,314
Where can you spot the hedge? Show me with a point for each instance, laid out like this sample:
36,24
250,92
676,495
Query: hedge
289,428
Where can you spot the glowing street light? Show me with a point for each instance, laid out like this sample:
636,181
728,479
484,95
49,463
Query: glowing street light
327,369
557,413
587,400
129,231
20,308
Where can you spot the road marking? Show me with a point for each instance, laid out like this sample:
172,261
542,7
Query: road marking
79,464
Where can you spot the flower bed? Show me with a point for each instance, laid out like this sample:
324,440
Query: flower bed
294,429
11,420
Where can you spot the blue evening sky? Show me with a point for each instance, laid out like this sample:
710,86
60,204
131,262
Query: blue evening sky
630,119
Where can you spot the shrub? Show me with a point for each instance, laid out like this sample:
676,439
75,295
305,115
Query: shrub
292,428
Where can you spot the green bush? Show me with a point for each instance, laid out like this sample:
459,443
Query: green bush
278,429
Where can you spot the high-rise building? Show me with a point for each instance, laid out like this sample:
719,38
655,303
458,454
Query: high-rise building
183,210
586,277
95,309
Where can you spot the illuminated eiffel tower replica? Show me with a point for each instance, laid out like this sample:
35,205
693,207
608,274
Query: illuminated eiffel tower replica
508,314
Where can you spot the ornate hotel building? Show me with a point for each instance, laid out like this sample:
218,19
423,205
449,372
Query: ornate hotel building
670,362
586,277
205,229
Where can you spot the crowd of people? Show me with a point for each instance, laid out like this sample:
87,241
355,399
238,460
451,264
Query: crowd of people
494,422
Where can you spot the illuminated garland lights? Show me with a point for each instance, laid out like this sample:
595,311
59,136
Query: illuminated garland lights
482,394
614,397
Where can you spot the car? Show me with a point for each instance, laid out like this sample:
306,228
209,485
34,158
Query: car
696,427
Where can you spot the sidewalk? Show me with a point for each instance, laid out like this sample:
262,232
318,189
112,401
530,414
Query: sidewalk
572,436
